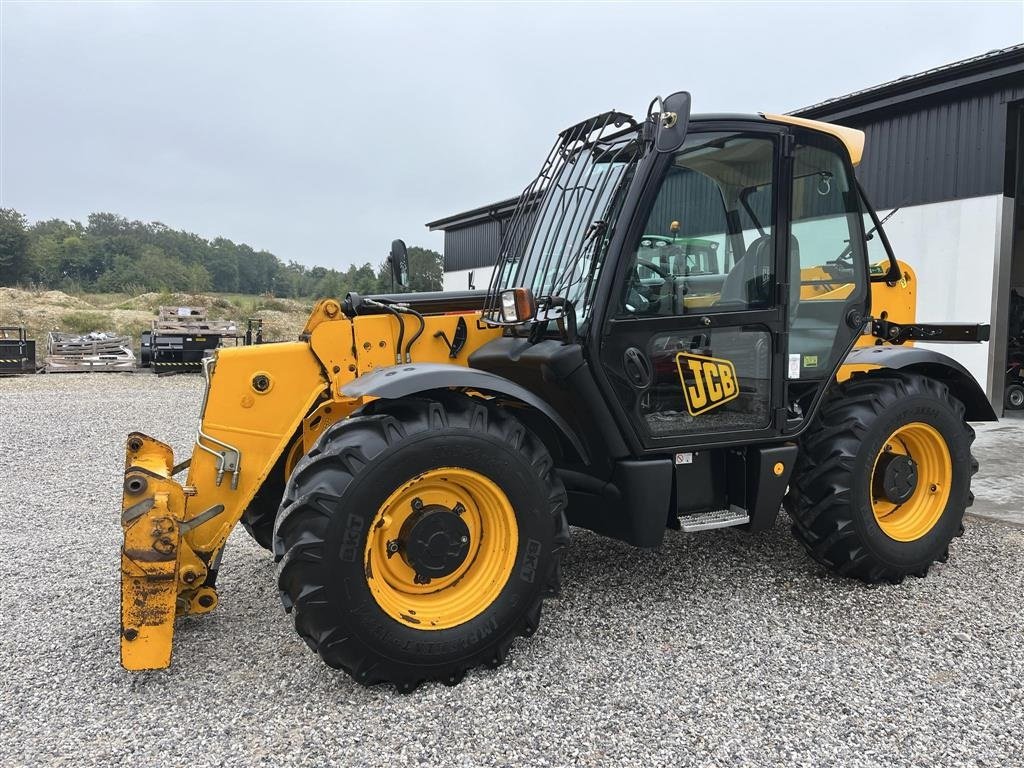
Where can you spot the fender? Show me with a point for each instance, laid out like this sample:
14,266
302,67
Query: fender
929,362
404,380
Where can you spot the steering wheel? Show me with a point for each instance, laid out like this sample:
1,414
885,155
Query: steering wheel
664,274
653,304
635,299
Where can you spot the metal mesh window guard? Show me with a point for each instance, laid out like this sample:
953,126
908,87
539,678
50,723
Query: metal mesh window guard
557,235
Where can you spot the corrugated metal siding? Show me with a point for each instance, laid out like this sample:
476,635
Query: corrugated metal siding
942,149
472,247
476,245
691,199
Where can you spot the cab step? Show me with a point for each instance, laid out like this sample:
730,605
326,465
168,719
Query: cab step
715,518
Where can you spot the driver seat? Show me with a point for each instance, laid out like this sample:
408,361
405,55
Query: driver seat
747,285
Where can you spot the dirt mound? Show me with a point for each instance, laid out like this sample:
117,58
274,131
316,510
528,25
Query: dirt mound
13,299
40,312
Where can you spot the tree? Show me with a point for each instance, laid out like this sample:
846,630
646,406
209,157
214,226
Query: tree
14,243
426,269
222,264
112,253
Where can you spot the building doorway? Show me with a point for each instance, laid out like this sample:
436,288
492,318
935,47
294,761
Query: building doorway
1008,389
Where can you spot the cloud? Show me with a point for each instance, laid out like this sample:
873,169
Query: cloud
322,131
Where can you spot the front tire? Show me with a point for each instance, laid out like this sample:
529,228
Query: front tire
418,538
883,477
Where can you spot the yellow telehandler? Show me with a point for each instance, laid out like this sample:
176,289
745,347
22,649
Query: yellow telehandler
692,321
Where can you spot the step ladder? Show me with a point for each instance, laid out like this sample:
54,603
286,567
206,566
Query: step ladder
715,518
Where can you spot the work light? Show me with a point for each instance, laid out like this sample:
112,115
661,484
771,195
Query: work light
517,305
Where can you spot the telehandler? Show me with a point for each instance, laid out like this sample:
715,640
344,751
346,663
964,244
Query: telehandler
414,461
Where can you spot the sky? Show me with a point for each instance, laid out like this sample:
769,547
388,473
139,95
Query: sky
322,131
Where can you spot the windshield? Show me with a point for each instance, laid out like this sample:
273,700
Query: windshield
559,232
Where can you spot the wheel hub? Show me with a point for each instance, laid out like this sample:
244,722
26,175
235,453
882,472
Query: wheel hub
434,540
895,477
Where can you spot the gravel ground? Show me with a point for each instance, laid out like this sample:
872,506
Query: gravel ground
718,649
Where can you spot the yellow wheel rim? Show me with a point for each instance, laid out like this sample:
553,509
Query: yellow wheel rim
918,514
487,521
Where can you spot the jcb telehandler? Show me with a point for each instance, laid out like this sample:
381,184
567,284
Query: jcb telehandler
414,461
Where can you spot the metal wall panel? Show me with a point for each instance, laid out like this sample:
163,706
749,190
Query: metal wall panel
472,247
476,245
935,150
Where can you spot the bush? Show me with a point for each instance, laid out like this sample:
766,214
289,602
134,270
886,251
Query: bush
270,305
84,322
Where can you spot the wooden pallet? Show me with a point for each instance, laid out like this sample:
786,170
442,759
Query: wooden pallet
67,352
191,320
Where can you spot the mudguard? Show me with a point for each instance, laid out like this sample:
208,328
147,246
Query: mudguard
930,363
404,380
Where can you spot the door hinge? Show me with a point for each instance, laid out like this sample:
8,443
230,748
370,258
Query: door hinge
788,145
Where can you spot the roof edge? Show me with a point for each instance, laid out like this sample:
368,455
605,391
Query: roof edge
996,63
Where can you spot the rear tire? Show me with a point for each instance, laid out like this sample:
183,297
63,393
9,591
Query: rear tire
841,515
259,517
338,499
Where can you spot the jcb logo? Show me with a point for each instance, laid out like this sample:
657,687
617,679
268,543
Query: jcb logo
707,382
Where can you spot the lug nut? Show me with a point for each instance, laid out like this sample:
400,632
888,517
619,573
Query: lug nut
417,504
393,547
261,382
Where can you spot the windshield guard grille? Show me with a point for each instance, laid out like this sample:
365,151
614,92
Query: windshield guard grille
555,239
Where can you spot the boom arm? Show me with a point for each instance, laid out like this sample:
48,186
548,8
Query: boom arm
260,401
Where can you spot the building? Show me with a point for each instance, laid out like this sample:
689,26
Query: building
946,147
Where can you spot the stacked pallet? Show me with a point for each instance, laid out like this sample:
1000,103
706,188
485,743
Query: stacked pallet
191,320
67,352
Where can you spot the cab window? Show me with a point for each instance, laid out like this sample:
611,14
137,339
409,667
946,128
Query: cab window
707,243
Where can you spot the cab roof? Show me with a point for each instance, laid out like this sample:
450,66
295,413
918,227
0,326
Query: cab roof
851,138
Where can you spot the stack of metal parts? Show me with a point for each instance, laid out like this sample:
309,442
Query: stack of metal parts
181,337
94,351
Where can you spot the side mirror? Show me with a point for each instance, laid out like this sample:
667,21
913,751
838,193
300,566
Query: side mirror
672,122
399,261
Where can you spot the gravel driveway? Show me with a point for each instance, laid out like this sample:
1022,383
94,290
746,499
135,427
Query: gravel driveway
717,649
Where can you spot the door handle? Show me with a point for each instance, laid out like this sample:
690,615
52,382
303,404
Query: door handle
637,368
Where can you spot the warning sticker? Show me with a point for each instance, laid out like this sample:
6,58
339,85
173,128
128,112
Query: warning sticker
794,366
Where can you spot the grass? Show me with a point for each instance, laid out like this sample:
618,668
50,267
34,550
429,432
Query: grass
83,322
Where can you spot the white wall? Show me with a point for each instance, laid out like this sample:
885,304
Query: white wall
459,279
952,248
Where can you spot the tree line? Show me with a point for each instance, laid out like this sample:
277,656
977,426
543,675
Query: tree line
110,254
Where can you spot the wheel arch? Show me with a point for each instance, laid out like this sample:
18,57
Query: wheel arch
417,378
932,364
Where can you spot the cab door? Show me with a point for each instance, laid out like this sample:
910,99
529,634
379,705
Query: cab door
827,252
694,337
697,350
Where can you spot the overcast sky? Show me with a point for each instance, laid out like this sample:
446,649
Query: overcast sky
323,131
